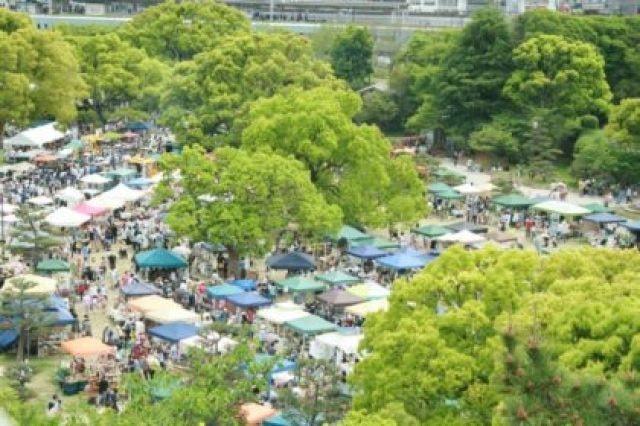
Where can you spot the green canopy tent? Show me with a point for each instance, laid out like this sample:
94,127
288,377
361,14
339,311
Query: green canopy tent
377,242
431,231
337,277
439,187
597,208
514,201
350,234
159,259
311,325
53,265
122,173
300,285
449,195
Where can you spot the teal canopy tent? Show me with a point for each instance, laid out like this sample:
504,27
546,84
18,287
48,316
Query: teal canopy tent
300,284
337,277
431,231
52,265
159,259
513,201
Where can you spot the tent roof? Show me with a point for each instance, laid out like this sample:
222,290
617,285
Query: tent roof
105,202
349,233
513,200
402,261
276,420
597,208
377,242
337,297
66,218
281,313
36,137
449,195
464,237
439,187
122,172
347,343
561,207
53,265
151,303
173,314
95,179
40,200
70,194
300,284
248,300
470,188
223,290
293,261
366,252
125,193
311,325
86,346
460,226
245,284
369,291
365,308
160,259
89,209
605,218
431,231
139,289
43,285
337,277
174,332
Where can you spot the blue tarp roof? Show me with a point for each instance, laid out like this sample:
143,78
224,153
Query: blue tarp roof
605,218
139,289
222,291
160,259
174,332
246,285
7,338
62,317
248,300
633,226
400,261
294,261
366,252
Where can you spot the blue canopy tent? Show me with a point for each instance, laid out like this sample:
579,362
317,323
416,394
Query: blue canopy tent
403,261
61,317
159,259
174,331
604,218
633,226
140,182
223,291
248,300
246,285
366,252
138,126
139,289
8,338
293,261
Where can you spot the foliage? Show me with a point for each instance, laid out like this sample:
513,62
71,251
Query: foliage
434,350
391,415
178,30
350,164
540,148
207,94
39,75
243,200
494,141
23,414
378,108
120,77
322,400
594,156
351,56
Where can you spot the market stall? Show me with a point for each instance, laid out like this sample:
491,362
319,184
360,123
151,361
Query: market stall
65,217
294,262
361,310
337,278
369,291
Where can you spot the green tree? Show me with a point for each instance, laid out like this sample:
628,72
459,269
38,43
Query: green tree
206,95
119,76
39,74
350,164
541,151
351,56
380,109
178,30
496,142
469,89
391,415
243,200
594,156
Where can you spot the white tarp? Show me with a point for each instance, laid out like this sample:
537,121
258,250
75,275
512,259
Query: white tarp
470,188
464,237
561,208
282,312
40,200
124,193
165,316
106,202
64,217
95,179
325,345
70,195
36,137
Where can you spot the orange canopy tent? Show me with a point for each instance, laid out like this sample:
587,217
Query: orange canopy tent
87,346
254,414
152,303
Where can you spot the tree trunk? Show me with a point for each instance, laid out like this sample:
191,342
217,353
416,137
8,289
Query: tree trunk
22,338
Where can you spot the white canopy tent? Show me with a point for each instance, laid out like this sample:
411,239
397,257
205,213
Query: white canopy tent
561,208
463,237
94,179
365,308
172,314
64,217
70,195
123,192
40,200
282,312
470,188
325,346
36,137
106,202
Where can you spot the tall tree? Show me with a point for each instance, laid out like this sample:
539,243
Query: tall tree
243,200
119,76
206,95
39,74
178,30
350,164
351,56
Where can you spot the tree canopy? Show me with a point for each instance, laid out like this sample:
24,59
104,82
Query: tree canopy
207,94
439,351
178,30
39,73
349,163
351,56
